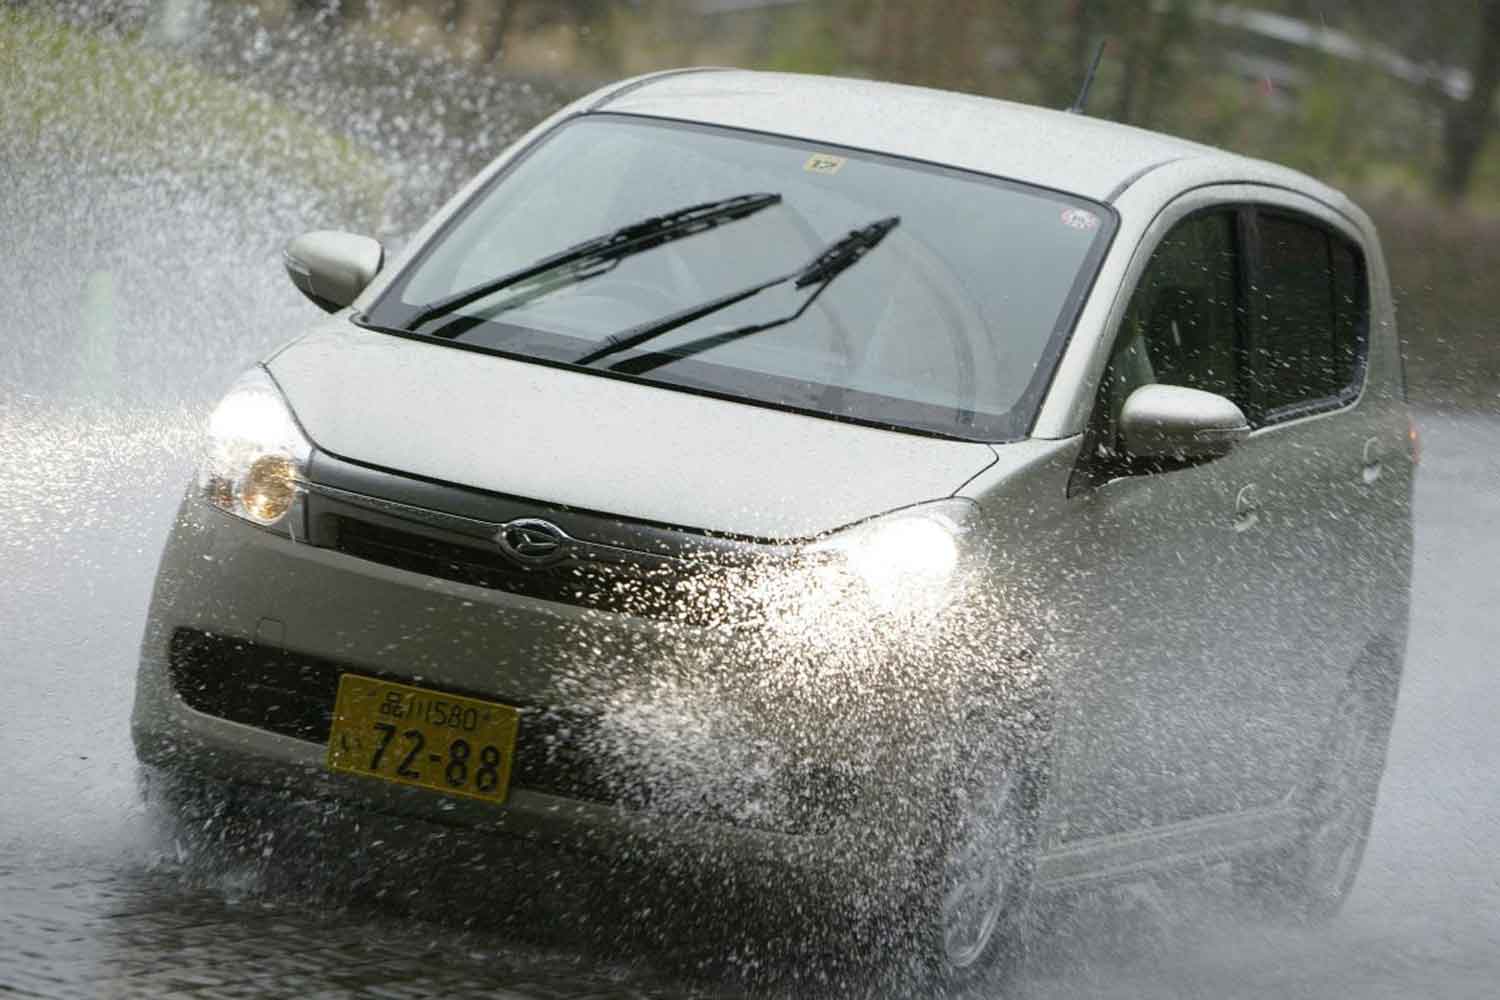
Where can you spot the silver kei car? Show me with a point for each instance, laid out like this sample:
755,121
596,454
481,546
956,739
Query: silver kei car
899,491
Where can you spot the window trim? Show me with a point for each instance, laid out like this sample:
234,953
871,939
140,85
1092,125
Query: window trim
1261,417
1097,469
1093,470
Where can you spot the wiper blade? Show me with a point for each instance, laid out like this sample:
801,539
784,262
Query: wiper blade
597,255
844,253
832,261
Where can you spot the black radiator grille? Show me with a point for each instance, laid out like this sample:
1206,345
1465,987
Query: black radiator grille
675,590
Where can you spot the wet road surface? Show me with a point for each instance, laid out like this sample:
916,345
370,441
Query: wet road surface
92,905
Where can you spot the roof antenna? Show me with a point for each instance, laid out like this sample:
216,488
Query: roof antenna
1088,81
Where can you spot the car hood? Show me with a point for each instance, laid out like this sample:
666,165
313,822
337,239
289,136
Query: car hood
603,444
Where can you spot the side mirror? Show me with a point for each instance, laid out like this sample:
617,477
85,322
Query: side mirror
1171,423
332,268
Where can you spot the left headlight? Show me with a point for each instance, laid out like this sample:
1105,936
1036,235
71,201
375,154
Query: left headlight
256,455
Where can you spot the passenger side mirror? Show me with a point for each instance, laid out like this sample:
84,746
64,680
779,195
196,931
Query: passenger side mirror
1175,424
332,268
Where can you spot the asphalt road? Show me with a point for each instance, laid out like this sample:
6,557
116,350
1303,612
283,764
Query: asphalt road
92,905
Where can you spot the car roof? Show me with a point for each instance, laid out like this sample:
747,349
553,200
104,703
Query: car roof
1068,152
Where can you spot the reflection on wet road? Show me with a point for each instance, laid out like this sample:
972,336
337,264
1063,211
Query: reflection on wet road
89,907
127,932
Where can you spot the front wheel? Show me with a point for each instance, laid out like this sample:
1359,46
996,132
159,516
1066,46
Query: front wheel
187,816
977,872
1310,880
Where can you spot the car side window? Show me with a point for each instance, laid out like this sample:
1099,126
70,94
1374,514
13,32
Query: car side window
1310,317
1180,326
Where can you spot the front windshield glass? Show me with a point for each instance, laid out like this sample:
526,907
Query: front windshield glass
949,326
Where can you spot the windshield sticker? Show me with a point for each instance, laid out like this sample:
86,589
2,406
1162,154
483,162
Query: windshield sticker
823,163
1078,218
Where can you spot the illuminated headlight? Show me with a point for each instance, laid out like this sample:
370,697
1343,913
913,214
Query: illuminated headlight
256,454
908,560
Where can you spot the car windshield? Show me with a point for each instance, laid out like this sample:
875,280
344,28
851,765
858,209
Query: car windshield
949,326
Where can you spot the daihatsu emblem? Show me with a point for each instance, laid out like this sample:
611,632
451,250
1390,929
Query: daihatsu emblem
532,542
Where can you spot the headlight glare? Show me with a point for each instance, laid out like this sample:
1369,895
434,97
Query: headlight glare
255,454
907,560
913,551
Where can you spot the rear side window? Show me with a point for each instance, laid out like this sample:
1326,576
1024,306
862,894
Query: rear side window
1309,318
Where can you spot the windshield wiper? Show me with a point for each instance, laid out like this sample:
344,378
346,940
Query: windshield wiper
600,254
832,261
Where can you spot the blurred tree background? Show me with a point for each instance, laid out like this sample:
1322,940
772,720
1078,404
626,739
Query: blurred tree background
1392,100
1389,93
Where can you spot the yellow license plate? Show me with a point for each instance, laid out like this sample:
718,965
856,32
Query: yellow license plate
412,736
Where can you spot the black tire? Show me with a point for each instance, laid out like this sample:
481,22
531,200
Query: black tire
1309,881
984,834
177,812
267,842
194,819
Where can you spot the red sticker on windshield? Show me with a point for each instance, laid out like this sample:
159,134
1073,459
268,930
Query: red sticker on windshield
1078,218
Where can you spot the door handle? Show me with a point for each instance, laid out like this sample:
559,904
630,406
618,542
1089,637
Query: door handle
1247,508
1370,461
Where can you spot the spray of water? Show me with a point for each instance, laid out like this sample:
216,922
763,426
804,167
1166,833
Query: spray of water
150,183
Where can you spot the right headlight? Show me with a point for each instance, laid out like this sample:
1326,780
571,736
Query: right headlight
855,594
908,560
256,456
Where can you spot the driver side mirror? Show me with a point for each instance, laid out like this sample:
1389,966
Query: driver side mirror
332,268
1177,425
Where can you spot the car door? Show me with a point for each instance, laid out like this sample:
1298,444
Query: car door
1174,695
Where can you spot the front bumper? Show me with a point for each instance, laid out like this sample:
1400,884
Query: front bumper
312,609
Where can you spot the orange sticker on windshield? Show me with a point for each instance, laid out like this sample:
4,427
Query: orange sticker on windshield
824,163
